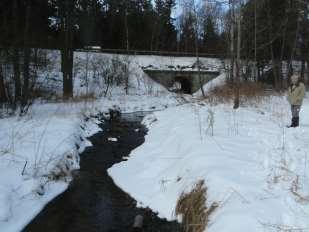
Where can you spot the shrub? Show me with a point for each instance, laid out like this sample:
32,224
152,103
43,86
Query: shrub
249,91
192,207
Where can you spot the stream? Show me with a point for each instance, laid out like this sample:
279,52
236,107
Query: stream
93,203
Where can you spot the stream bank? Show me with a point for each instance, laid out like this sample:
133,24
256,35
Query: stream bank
93,203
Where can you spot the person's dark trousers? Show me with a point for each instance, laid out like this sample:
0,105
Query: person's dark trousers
292,123
295,109
296,122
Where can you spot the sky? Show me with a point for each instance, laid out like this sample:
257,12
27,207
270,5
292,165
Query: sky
178,8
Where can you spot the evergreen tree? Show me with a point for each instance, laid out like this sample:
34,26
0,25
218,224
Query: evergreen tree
187,32
88,22
274,36
139,21
164,31
211,38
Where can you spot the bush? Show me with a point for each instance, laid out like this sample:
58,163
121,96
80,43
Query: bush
249,91
192,207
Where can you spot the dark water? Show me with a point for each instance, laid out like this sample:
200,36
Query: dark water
93,203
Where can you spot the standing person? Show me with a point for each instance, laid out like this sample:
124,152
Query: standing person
295,96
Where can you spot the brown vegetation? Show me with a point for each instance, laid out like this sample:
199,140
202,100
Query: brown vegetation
193,209
249,91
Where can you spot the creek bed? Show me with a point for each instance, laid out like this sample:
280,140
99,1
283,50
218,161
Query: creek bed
93,203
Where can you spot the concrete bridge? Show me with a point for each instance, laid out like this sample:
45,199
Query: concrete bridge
190,80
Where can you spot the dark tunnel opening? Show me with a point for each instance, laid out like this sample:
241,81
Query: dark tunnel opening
186,85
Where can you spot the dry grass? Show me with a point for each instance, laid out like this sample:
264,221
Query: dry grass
89,97
249,91
192,207
84,97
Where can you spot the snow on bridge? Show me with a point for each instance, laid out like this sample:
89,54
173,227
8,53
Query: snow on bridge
190,77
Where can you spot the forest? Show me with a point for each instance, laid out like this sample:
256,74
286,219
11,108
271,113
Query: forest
154,115
260,39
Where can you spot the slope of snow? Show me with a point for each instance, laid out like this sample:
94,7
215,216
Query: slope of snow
91,69
46,139
33,150
253,166
218,81
37,147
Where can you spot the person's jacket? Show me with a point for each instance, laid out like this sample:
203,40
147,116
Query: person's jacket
296,94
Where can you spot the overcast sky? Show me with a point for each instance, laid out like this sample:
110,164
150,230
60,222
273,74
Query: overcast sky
177,10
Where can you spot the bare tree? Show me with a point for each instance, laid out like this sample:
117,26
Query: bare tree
127,71
3,95
67,53
16,59
26,63
191,15
255,69
238,60
232,39
197,47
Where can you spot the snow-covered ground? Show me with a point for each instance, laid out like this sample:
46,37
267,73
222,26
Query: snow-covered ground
255,168
47,140
36,148
91,71
209,86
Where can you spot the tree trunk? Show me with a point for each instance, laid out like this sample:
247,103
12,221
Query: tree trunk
17,82
238,62
196,41
274,60
3,96
232,49
26,64
302,71
67,72
67,52
127,68
26,76
255,68
127,29
275,69
16,58
306,76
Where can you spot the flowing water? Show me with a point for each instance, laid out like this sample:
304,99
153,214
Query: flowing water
93,203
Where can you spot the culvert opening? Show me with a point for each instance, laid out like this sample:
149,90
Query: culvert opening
186,85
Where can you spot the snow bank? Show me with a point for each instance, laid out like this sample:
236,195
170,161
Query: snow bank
46,141
35,150
37,154
91,69
253,166
209,86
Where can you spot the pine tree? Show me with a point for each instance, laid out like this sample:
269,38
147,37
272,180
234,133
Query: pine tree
165,34
88,22
210,37
187,32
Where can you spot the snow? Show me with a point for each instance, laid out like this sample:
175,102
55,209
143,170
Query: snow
205,64
254,167
91,68
46,139
33,150
209,86
112,139
39,151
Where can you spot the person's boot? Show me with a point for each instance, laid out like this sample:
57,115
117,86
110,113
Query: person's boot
296,124
293,122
